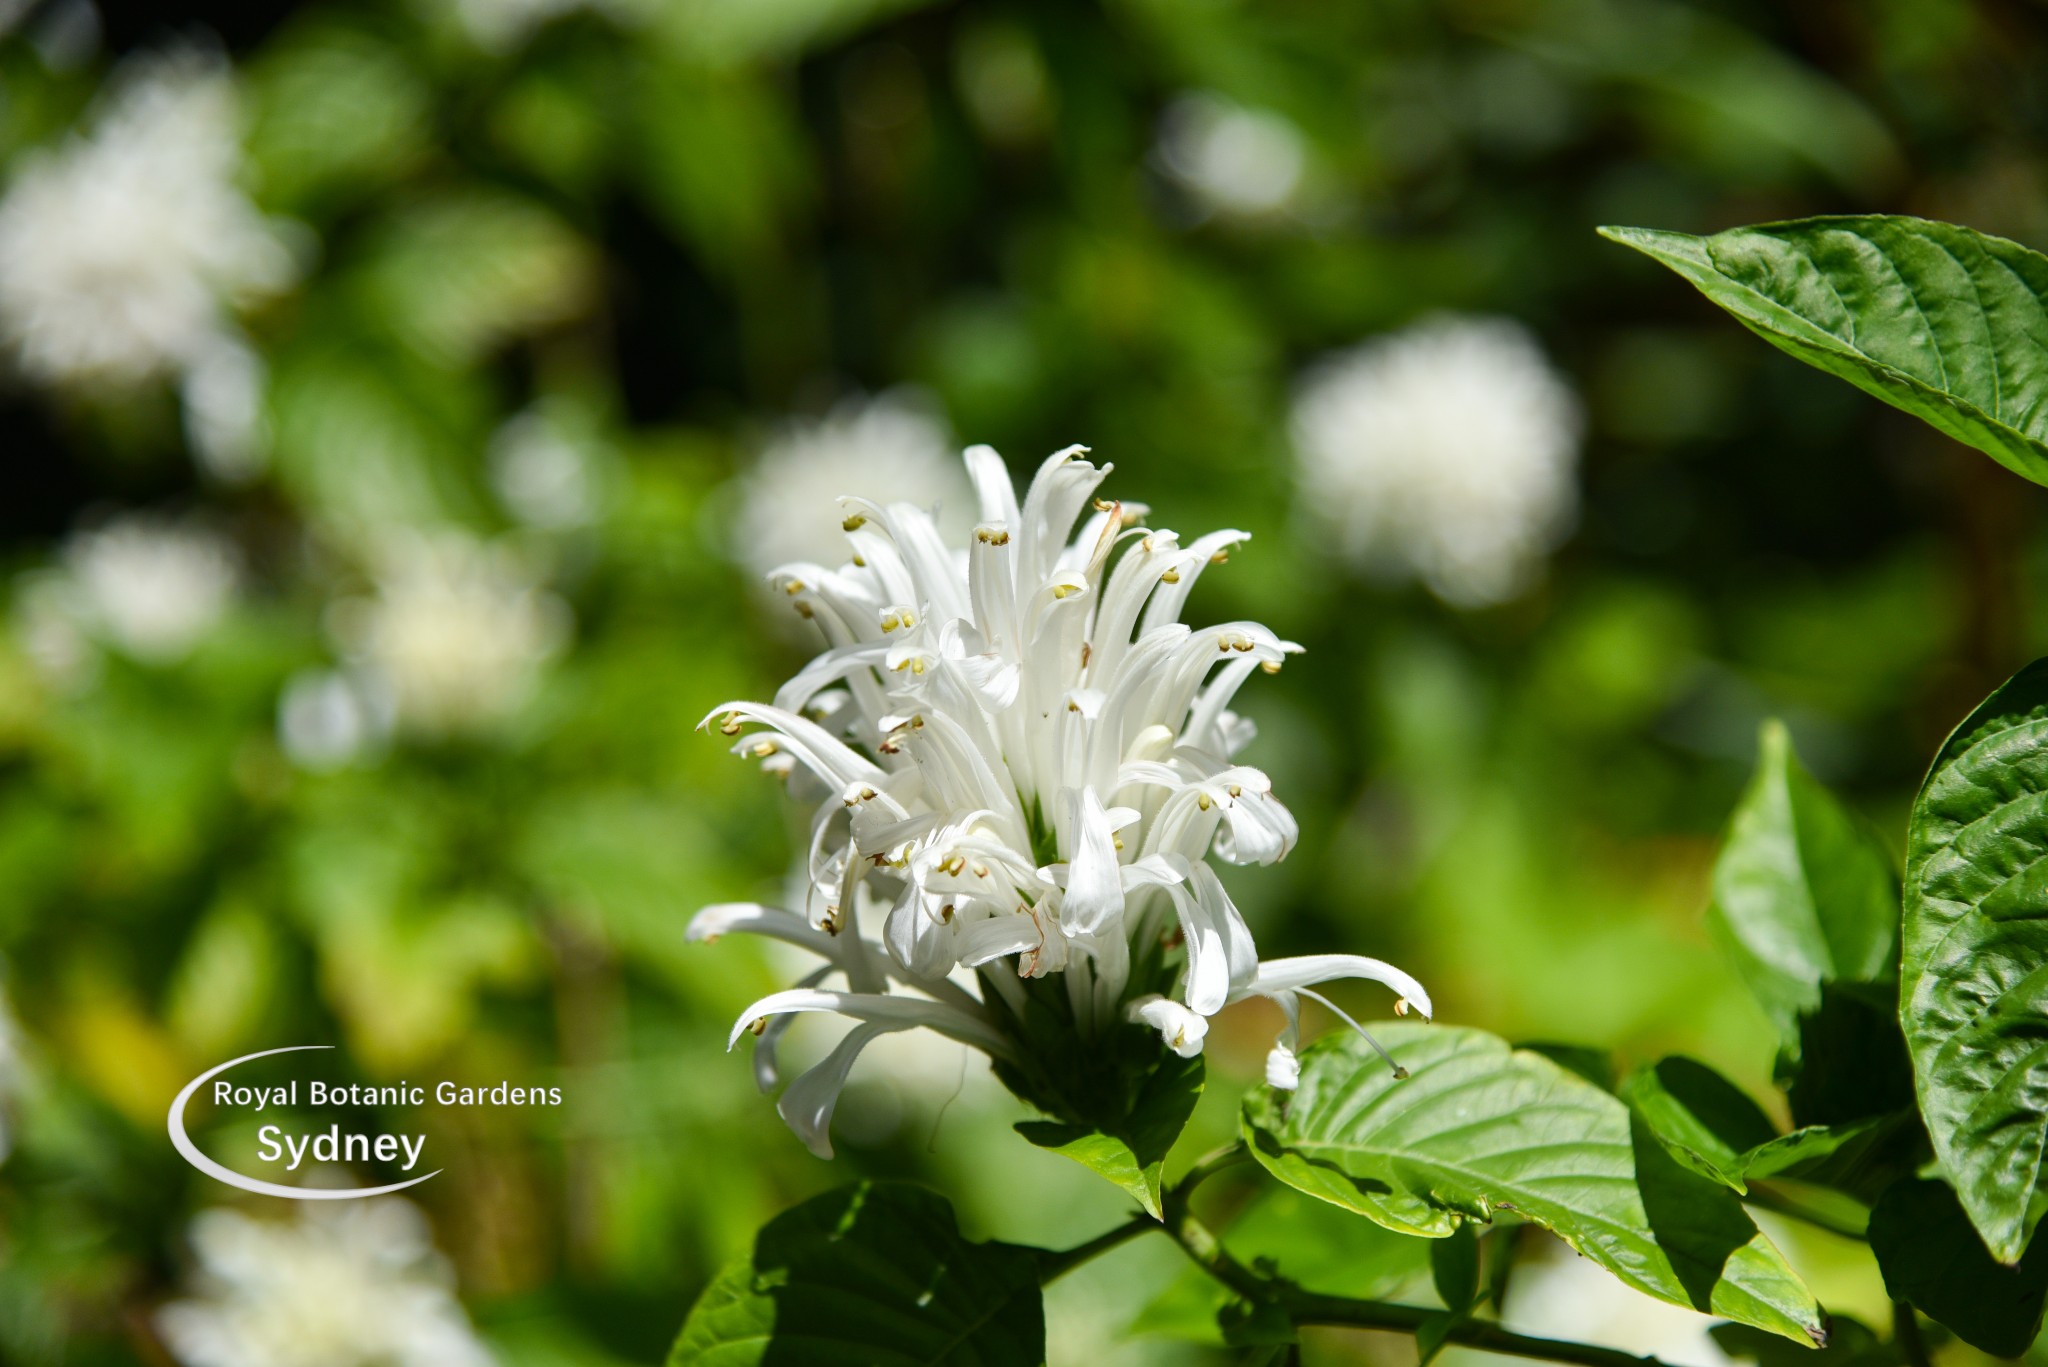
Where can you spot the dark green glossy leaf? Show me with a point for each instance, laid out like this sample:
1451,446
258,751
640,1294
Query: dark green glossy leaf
1477,1127
1707,1122
1974,984
1931,1257
1942,321
1802,894
1850,1062
1454,1266
872,1275
1850,1344
1135,1156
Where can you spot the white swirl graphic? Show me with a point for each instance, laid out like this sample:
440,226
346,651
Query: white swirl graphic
183,1143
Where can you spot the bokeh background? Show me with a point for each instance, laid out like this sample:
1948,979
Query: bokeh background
403,400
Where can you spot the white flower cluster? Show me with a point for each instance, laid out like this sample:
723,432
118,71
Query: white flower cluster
124,252
1232,160
886,448
148,586
1028,759
344,1284
453,637
1446,452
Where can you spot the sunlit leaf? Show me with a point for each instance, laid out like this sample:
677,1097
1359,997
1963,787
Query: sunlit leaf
1477,1127
1942,321
1974,981
1802,894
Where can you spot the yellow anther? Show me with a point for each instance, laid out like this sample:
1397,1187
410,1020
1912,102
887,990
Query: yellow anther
1401,1006
763,749
760,1027
803,610
1235,790
917,665
854,523
794,587
1204,801
1170,577
1103,505
1073,706
1065,590
981,870
867,794
731,724
859,563
1117,841
1086,651
1270,666
1219,558
946,913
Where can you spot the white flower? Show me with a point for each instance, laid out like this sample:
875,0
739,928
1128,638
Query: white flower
502,25
328,718
882,449
456,631
343,1284
1027,760
1445,452
1235,161
123,251
148,586
542,473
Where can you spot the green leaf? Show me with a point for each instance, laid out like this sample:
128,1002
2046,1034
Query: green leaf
871,1275
1931,1257
1942,321
1974,982
1802,894
1850,1344
1851,1061
1478,1127
1705,1121
1454,1266
1135,1155
1712,1127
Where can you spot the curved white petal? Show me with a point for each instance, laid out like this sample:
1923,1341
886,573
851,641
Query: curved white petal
1276,976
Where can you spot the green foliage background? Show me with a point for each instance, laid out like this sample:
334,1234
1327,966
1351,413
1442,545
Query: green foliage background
667,226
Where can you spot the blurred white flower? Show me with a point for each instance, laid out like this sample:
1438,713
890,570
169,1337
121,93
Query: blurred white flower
1564,1296
147,586
223,401
884,449
1446,452
541,474
457,629
344,1284
502,25
327,718
1232,160
123,250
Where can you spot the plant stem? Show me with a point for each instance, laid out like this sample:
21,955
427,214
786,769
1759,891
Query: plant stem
1209,1164
1906,1336
1054,1265
1309,1307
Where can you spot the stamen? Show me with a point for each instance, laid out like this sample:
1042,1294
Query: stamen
1170,577
1400,1073
854,523
731,725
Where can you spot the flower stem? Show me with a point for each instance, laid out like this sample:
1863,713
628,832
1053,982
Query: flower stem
1906,1336
1308,1307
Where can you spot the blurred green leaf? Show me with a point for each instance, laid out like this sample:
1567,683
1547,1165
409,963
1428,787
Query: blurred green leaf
1802,894
461,273
1933,1259
1477,1127
1135,1154
337,112
869,1273
1939,320
1976,957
